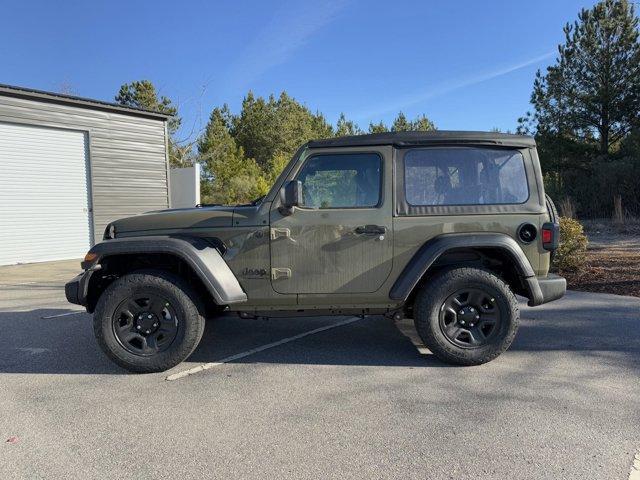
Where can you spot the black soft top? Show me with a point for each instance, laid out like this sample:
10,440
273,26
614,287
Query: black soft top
408,139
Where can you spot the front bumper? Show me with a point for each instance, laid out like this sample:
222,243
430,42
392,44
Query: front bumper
76,290
546,289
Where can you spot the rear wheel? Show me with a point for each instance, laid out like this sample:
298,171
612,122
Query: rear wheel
466,316
148,321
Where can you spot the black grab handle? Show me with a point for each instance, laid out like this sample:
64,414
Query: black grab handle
371,230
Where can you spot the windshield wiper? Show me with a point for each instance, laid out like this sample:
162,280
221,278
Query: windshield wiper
252,203
257,200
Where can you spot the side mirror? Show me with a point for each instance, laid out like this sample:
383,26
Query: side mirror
290,196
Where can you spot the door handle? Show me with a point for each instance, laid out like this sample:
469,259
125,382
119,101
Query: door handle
371,230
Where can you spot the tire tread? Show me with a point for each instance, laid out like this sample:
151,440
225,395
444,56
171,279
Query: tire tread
430,298
189,302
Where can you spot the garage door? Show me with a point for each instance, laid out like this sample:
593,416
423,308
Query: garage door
44,206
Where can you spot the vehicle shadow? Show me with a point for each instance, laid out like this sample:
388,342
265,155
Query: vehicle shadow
609,327
61,341
32,343
584,324
371,341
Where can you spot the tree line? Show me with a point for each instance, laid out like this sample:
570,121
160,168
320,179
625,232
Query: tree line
241,154
586,114
585,117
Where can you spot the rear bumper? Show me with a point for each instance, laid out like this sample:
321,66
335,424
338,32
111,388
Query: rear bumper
76,289
553,287
546,289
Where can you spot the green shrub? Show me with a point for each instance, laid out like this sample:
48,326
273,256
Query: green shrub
570,255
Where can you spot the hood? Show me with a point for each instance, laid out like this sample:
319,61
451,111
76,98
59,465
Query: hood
176,219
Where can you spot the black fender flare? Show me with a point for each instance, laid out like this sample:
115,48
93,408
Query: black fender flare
205,260
434,248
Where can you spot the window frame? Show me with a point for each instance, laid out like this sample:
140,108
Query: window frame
333,154
404,208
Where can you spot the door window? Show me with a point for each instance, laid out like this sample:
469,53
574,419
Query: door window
342,181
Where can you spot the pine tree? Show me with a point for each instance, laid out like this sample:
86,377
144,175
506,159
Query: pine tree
346,127
401,124
265,128
228,176
592,93
422,124
379,127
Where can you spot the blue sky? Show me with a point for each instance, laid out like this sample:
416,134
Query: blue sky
468,65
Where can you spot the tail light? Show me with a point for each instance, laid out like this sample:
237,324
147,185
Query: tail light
550,236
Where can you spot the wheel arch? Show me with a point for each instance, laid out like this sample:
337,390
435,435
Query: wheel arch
498,253
195,259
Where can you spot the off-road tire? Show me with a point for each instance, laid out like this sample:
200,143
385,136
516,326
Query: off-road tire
431,298
185,302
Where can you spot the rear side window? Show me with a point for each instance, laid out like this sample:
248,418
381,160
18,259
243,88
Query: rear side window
342,180
464,176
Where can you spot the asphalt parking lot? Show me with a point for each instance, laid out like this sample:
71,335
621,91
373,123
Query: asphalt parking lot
355,401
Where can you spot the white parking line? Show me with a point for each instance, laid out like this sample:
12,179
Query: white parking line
635,468
408,329
237,356
63,314
33,350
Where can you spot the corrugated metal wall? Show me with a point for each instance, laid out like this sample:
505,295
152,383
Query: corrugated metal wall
127,155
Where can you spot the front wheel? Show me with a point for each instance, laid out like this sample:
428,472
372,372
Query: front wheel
148,321
466,316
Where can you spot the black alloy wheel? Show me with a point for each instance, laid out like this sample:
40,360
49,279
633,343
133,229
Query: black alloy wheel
469,318
148,321
145,324
466,315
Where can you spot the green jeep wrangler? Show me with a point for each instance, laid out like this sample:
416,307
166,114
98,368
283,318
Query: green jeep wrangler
441,227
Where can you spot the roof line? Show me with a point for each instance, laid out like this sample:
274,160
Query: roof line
82,102
436,137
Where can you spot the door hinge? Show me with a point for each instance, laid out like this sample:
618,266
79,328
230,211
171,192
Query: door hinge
280,232
277,273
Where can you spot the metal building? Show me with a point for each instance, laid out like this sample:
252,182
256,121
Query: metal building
70,165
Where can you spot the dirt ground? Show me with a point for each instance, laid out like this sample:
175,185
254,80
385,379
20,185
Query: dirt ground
612,260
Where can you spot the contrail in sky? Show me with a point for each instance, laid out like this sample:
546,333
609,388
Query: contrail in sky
447,87
289,29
